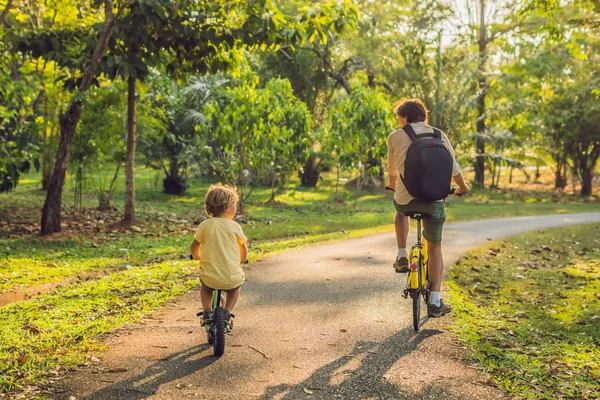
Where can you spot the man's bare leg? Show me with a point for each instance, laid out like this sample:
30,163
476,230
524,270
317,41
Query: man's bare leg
402,225
436,265
436,271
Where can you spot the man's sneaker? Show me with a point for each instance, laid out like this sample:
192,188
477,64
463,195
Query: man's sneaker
436,312
401,265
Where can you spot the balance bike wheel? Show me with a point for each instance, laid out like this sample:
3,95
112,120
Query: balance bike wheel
219,324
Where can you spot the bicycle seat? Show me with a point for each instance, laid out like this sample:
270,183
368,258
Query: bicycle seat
417,215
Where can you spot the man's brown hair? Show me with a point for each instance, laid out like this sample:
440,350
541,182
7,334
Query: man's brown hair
413,110
219,198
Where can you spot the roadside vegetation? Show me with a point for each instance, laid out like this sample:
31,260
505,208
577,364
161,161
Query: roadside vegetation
528,308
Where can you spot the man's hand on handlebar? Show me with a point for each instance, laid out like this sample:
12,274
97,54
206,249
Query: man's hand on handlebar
459,192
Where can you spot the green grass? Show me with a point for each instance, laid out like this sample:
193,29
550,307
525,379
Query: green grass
302,216
528,308
55,331
61,328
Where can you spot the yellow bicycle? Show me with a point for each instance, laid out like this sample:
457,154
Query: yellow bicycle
417,281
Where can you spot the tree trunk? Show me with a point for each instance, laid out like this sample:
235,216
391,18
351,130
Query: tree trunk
480,143
587,164
129,216
499,174
111,188
310,172
53,203
5,12
68,125
273,180
337,180
560,176
437,117
586,182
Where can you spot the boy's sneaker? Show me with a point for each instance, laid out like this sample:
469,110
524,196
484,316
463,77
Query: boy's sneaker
206,317
228,321
401,265
436,312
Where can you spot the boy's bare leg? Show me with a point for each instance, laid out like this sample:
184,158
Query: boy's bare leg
402,225
436,265
206,295
232,297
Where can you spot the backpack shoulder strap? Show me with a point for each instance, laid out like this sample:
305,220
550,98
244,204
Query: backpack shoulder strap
436,134
410,132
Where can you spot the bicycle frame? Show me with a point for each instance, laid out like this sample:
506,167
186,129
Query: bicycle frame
216,302
418,262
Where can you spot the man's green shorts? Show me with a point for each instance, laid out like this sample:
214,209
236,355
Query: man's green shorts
434,225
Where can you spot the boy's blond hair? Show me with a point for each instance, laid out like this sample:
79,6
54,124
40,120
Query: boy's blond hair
219,198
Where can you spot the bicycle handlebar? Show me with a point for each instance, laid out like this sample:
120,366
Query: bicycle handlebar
452,190
192,258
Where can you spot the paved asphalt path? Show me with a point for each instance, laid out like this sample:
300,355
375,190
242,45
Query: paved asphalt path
323,322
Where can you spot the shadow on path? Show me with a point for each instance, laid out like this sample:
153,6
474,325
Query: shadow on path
365,381
174,367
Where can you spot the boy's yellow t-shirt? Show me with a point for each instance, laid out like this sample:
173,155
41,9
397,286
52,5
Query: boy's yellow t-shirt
220,253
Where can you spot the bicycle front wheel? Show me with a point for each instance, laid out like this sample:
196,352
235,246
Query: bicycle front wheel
219,326
416,298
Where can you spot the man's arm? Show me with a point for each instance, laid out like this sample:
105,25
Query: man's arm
195,249
463,188
392,171
392,181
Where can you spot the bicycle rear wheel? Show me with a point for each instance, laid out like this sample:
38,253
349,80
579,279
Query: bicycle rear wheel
416,298
219,326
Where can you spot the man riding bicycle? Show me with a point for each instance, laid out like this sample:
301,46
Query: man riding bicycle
413,117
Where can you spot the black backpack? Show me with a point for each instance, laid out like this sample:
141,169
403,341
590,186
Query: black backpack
428,166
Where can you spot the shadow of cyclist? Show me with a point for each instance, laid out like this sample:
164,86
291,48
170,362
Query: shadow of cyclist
174,367
366,381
